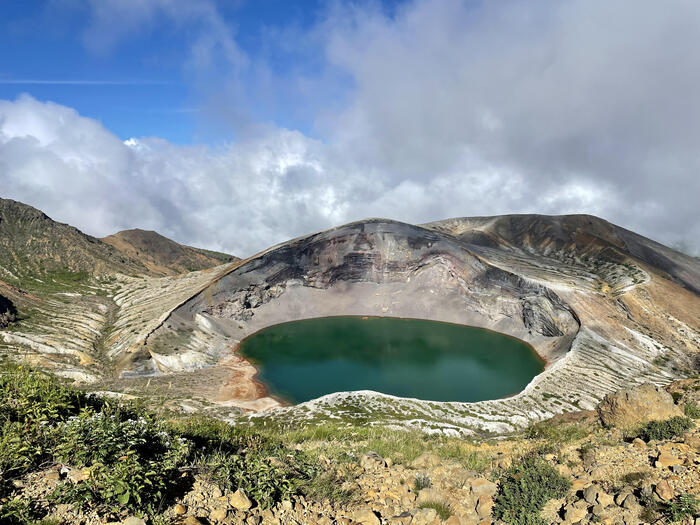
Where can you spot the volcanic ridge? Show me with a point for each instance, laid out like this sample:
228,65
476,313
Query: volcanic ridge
605,307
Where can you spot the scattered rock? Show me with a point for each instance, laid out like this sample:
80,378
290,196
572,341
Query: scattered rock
638,443
366,516
240,501
665,459
482,486
219,514
635,405
575,512
664,490
133,520
180,509
372,461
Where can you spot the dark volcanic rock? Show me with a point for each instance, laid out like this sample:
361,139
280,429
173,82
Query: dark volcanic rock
8,312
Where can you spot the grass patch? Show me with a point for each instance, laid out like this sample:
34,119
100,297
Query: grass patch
684,506
443,510
666,429
692,410
525,488
561,433
634,478
421,481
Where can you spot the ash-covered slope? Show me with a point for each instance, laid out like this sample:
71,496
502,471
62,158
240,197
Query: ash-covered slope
571,286
163,256
605,307
573,236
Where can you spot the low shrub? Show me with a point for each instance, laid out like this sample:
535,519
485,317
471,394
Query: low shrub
135,462
666,429
692,410
421,481
525,488
561,433
684,506
443,510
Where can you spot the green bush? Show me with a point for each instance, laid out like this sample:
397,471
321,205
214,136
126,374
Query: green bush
443,510
692,410
525,488
135,462
421,481
561,433
685,505
667,429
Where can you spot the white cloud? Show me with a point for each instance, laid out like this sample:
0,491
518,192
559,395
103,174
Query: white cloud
455,109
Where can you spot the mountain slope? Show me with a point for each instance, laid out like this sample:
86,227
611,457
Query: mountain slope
573,236
605,307
32,244
163,256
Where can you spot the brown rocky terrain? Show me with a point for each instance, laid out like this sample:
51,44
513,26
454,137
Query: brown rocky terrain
614,478
163,256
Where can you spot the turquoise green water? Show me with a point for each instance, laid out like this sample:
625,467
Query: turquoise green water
303,360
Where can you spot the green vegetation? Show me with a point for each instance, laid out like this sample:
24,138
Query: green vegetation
421,481
667,429
634,478
692,410
401,446
682,507
132,461
443,510
525,488
685,505
557,433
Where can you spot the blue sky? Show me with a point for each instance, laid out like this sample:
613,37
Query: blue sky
139,85
255,121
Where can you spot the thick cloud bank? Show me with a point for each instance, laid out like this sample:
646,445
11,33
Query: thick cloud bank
454,109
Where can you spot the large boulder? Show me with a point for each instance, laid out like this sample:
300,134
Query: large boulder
636,405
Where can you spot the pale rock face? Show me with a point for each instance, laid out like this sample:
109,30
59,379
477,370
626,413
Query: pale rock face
644,403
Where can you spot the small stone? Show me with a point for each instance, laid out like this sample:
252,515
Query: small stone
133,520
180,509
484,506
366,516
590,494
482,486
678,469
453,520
630,502
372,461
665,459
191,520
638,443
664,490
574,513
240,501
217,515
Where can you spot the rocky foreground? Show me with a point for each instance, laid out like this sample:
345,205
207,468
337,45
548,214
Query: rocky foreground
607,475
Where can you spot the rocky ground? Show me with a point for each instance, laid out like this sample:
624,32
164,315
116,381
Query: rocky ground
615,478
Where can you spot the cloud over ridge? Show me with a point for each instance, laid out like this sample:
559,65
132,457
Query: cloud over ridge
454,109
